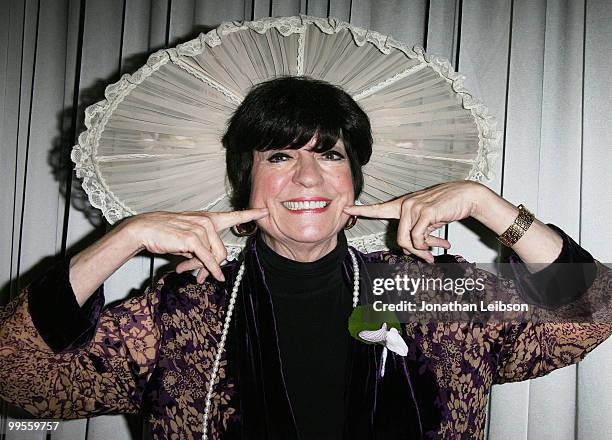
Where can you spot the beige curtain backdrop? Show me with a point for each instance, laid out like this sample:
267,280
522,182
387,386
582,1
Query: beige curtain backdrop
543,68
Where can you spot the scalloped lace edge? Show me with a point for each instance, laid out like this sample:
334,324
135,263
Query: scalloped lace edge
97,115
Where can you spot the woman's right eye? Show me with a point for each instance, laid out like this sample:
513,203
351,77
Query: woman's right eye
278,157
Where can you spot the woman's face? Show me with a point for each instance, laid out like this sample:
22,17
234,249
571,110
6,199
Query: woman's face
304,192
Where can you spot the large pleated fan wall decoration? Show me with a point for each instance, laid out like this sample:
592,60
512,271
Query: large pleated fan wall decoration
154,142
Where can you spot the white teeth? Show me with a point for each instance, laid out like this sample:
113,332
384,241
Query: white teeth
296,206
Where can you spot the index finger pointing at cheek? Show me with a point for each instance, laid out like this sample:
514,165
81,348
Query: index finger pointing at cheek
224,220
390,209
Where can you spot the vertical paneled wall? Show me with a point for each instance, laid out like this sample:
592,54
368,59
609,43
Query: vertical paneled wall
541,66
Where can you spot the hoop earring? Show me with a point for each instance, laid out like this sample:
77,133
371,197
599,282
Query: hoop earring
351,222
241,231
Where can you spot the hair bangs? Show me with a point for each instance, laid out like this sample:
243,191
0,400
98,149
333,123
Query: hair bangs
292,123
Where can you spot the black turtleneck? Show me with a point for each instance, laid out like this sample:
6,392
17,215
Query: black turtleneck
311,306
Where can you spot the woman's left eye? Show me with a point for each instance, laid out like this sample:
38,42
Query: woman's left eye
332,155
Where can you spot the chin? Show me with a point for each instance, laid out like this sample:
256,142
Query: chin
310,234
302,228
304,231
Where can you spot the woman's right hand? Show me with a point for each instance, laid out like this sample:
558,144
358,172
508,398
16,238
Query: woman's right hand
194,235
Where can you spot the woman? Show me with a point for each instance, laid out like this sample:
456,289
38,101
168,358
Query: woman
285,366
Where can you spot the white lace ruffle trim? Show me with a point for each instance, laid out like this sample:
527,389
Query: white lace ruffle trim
97,115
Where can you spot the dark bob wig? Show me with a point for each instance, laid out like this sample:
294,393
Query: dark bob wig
287,112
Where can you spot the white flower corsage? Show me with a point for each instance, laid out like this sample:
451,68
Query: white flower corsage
386,334
390,338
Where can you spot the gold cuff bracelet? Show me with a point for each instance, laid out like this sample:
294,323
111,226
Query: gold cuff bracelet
518,228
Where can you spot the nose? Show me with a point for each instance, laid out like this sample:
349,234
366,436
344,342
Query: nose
308,172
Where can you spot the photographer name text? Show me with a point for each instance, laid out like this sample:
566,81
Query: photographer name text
453,306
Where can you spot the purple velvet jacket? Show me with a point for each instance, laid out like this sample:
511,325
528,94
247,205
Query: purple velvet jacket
153,354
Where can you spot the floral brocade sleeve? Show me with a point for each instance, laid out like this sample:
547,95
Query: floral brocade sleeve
530,350
96,364
571,323
569,313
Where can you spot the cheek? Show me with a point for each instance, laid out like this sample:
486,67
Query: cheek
343,183
265,185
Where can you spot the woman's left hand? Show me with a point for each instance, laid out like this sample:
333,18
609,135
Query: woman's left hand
422,212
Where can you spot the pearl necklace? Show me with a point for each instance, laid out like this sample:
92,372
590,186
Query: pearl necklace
228,318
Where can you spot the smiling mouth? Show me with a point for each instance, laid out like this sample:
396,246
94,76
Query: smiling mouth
306,205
